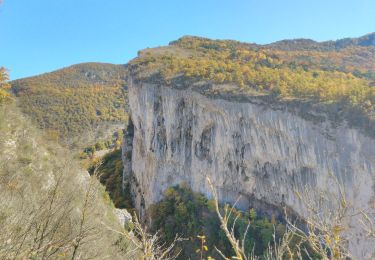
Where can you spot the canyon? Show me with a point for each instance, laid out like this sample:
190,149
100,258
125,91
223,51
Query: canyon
279,128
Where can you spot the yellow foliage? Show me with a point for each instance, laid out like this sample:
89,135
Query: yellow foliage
4,86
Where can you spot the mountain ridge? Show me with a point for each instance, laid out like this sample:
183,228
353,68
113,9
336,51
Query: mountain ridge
365,41
306,43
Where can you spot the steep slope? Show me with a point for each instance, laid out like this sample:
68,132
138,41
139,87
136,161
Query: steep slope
259,122
77,104
50,207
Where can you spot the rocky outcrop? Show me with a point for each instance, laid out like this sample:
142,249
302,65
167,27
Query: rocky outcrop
124,217
249,148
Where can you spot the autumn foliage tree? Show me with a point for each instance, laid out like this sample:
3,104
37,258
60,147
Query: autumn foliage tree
4,85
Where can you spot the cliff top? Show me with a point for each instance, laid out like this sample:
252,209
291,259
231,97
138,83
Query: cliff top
338,75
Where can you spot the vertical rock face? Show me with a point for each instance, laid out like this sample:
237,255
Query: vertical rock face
245,148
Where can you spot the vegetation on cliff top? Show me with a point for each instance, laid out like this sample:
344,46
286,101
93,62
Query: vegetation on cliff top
343,76
75,102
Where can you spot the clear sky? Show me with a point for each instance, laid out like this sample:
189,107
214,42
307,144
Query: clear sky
38,36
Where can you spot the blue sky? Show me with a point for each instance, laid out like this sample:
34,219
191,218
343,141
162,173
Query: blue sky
38,36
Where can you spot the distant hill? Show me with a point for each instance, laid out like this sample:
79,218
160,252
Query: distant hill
307,44
77,104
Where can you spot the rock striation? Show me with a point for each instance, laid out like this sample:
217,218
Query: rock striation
264,153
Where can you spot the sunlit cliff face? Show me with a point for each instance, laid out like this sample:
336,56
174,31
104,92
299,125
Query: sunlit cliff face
252,149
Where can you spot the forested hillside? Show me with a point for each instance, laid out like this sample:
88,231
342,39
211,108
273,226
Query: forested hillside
77,104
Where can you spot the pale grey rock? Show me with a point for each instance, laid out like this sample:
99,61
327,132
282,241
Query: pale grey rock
245,148
123,216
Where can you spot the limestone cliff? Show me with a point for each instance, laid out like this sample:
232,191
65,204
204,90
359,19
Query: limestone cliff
263,152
